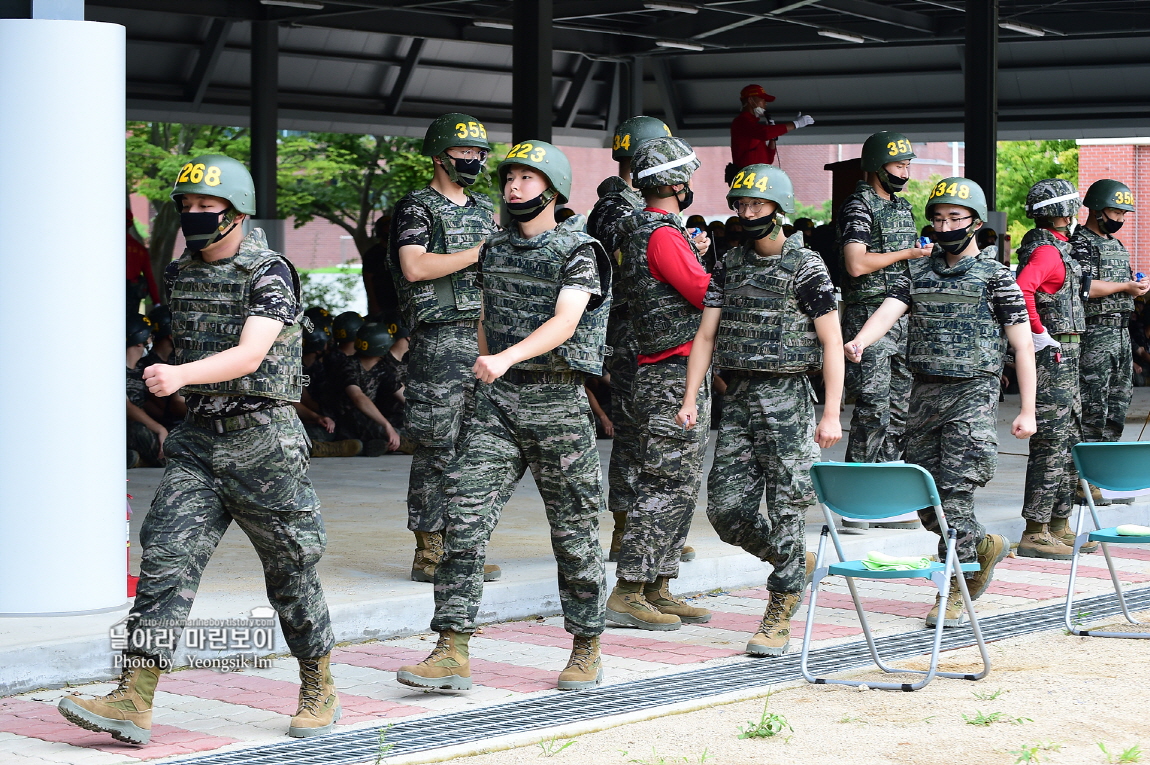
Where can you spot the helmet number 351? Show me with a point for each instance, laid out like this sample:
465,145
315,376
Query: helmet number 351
901,146
197,173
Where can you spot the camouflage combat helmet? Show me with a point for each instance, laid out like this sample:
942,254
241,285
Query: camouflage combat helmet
883,148
545,158
139,329
1108,193
666,161
958,191
632,132
1052,198
345,326
316,340
763,182
454,129
373,339
217,176
161,318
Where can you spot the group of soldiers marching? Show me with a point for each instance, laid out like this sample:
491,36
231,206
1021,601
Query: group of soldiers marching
505,324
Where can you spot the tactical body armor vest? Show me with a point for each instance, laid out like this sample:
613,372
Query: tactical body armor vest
762,328
1109,261
209,303
614,195
455,228
662,318
953,331
1062,312
892,230
520,288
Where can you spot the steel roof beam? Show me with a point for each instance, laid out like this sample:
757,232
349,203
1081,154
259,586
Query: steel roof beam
399,89
206,62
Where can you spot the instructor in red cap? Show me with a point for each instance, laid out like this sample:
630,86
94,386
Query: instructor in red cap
752,132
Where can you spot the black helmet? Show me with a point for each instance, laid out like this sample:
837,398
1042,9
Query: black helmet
316,340
161,318
345,326
373,339
139,330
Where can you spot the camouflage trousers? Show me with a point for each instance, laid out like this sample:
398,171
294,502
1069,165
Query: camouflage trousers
1050,472
880,385
766,443
623,469
258,478
440,397
670,474
144,442
1105,375
952,432
542,425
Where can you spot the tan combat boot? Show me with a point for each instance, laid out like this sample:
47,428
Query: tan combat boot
448,667
319,707
617,536
687,553
1041,543
1095,494
955,612
774,633
428,553
585,667
629,608
809,563
991,550
659,595
1060,530
125,713
349,448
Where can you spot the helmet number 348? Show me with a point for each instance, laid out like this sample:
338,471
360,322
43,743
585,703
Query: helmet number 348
954,190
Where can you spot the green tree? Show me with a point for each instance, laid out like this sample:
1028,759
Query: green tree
820,214
1021,164
917,192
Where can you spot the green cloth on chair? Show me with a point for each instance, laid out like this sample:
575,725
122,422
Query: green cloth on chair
1132,530
876,561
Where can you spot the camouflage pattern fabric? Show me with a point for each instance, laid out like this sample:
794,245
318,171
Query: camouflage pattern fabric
883,225
1105,258
440,397
1050,472
1061,312
880,385
674,155
671,471
766,443
144,442
626,458
952,433
1049,189
137,388
545,427
1106,382
258,477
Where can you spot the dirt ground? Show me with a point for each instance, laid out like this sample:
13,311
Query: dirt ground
1053,698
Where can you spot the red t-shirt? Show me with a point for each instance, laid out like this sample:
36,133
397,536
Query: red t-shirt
140,263
749,140
1044,272
671,260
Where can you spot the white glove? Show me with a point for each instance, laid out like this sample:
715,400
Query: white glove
803,120
1044,341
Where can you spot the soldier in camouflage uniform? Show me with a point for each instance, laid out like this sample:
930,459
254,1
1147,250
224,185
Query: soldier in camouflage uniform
1053,284
546,298
145,435
769,316
1106,368
436,233
964,308
241,454
617,199
878,239
664,282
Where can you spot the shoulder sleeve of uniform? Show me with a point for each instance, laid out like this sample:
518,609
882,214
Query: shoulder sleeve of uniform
273,292
813,286
857,221
411,223
582,270
1006,298
716,288
484,201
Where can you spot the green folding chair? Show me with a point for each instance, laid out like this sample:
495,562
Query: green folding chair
872,492
1118,466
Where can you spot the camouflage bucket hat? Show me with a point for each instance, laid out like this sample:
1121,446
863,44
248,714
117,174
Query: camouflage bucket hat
666,161
1052,198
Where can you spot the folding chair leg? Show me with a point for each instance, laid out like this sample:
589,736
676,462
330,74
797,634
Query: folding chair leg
816,577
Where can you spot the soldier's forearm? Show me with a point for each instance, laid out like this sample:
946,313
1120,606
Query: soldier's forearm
419,265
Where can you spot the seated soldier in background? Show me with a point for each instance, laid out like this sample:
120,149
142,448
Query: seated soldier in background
317,421
145,435
734,231
169,411
343,332
396,357
364,381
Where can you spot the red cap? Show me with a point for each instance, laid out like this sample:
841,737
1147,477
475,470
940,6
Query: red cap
755,90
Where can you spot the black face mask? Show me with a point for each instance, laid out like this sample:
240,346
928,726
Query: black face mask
529,210
686,200
1109,225
203,228
954,241
760,227
462,171
892,184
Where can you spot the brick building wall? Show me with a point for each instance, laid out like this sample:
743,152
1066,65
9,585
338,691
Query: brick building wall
1129,162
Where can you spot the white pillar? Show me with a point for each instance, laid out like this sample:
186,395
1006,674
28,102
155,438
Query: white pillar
62,421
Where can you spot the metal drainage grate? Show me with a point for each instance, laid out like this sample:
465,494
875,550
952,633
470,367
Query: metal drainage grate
466,726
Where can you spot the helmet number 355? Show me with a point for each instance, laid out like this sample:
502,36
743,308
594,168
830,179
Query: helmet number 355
195,173
470,130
